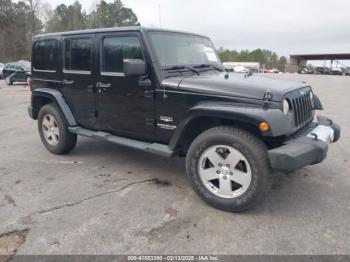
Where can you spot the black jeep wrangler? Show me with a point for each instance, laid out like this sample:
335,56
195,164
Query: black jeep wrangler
167,93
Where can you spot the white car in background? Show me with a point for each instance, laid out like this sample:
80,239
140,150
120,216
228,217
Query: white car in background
237,68
274,71
240,69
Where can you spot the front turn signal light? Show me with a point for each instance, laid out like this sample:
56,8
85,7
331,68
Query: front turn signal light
264,126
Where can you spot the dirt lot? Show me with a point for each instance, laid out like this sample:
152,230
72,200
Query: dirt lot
106,199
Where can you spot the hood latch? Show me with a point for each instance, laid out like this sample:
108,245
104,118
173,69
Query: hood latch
267,98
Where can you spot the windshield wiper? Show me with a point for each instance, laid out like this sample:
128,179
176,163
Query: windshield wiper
179,67
209,65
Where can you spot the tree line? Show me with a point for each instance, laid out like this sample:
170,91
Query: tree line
21,20
266,58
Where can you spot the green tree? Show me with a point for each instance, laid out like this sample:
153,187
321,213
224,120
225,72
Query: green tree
257,56
282,63
228,55
266,58
18,23
111,15
67,18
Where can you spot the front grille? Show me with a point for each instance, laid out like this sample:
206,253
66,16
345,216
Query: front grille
302,107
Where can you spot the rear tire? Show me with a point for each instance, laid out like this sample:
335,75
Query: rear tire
229,168
54,131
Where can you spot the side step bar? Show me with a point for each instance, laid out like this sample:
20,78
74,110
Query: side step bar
154,148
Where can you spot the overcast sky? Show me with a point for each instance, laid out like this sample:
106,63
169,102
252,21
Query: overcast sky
287,27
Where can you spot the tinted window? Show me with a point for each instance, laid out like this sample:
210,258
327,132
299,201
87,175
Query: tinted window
77,54
116,49
45,55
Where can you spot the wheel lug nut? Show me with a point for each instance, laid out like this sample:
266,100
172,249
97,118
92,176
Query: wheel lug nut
231,174
220,165
224,177
228,166
217,172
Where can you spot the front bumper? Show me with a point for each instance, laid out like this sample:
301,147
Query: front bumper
307,149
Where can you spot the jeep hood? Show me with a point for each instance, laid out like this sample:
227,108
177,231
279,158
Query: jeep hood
236,85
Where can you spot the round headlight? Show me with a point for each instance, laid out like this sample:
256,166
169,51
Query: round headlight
285,106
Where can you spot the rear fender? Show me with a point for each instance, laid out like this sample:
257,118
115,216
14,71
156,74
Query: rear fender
57,98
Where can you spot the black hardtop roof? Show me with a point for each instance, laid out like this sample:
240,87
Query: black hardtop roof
112,29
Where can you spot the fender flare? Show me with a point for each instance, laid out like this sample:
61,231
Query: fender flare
59,101
253,115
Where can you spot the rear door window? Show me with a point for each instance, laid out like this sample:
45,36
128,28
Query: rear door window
45,55
78,55
115,49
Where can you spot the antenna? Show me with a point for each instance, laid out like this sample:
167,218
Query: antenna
159,15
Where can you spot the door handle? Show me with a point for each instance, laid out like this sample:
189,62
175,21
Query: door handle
103,85
67,82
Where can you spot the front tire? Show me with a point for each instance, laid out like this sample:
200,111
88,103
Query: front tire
54,132
229,168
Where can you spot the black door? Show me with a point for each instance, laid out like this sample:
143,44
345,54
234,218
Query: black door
125,103
77,78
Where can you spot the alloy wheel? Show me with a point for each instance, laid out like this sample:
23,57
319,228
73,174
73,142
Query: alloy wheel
225,171
50,130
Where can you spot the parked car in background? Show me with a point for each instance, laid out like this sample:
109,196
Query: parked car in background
274,71
306,70
1,67
240,69
253,67
17,72
337,71
230,67
322,70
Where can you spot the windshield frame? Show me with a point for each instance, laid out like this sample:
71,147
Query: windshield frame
161,69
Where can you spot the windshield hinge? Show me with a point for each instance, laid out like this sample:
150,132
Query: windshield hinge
267,99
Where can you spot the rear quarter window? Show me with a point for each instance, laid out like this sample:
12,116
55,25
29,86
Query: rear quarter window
45,55
78,54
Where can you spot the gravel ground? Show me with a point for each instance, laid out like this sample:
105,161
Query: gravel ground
106,199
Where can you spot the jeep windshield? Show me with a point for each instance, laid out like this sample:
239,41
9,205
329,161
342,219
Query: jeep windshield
180,53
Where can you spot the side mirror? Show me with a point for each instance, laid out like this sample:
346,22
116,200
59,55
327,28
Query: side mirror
134,67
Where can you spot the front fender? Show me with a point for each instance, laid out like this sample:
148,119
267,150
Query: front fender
253,115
